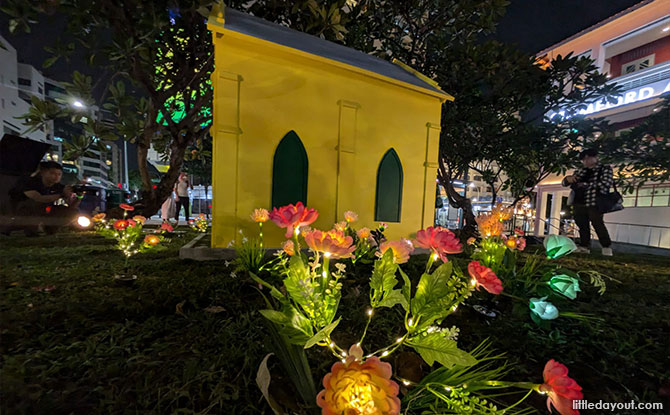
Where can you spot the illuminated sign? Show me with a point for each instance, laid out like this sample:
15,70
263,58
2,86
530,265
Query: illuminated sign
629,97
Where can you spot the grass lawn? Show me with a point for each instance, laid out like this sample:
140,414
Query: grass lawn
186,338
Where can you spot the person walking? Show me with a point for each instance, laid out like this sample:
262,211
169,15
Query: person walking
182,198
587,183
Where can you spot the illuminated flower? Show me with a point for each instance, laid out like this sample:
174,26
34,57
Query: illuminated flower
566,285
334,242
489,225
519,231
131,223
484,277
561,389
358,387
558,246
151,240
501,213
139,218
120,224
202,215
401,250
260,215
471,240
288,247
126,207
350,216
99,217
521,244
439,240
543,309
511,242
292,217
363,233
166,227
341,226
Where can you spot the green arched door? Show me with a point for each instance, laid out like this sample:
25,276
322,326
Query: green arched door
388,198
289,171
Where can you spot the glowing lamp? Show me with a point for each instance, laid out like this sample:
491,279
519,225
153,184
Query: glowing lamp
83,221
543,309
565,285
558,246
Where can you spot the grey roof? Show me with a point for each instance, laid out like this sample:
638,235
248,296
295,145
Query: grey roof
253,26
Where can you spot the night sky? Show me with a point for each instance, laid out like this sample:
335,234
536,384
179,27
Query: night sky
531,24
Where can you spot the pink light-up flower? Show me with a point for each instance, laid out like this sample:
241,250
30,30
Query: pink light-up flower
401,250
561,389
292,217
439,240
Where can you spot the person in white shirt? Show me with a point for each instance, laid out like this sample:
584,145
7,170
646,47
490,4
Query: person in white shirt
182,199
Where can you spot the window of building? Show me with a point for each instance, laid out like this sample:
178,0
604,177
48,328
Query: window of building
24,82
40,90
477,178
289,171
661,196
91,164
637,65
388,198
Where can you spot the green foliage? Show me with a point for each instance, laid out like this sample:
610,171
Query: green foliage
436,346
249,256
383,281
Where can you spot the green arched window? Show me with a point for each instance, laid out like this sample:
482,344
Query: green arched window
388,199
289,171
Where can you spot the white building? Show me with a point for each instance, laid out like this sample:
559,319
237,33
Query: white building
18,82
633,48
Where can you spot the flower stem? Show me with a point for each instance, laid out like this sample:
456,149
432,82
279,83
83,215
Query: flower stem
513,296
365,331
429,264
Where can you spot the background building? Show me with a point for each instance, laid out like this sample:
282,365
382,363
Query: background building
18,83
633,48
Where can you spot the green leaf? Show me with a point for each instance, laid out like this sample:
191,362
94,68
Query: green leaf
322,334
407,287
430,290
296,335
437,347
273,291
392,298
383,278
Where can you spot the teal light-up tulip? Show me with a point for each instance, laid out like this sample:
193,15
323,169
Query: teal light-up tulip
558,246
543,309
565,285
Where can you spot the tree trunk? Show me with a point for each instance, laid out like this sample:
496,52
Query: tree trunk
154,198
461,202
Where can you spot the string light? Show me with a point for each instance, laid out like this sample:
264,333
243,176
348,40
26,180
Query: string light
344,354
326,254
398,340
435,256
406,382
454,308
410,322
447,388
369,312
473,282
324,274
385,353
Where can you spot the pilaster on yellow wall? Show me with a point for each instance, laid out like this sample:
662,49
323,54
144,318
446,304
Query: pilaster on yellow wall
225,154
346,158
430,174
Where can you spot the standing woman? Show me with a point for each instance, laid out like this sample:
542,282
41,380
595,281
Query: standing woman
181,190
587,183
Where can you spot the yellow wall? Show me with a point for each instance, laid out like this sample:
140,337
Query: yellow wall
263,90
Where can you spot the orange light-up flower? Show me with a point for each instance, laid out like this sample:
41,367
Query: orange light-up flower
292,217
152,240
439,240
401,250
350,216
501,213
363,233
358,387
561,389
260,215
288,247
334,242
139,218
489,225
99,217
341,226
484,277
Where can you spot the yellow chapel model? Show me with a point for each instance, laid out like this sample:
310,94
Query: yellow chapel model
299,118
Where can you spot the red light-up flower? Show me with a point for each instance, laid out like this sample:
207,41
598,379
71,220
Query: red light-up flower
166,227
484,277
334,242
359,388
439,240
126,207
401,250
132,223
121,224
521,244
561,388
292,217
